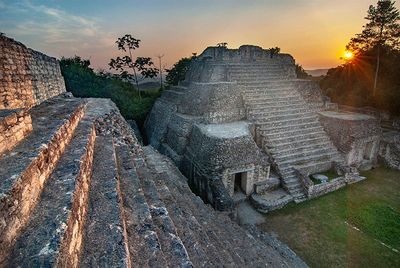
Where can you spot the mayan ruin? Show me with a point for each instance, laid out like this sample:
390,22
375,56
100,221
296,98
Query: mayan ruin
242,124
199,134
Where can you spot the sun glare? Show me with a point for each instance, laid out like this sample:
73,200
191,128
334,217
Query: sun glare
348,55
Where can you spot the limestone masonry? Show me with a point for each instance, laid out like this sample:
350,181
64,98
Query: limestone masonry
27,77
242,125
77,189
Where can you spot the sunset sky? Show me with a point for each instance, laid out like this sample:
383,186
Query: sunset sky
315,32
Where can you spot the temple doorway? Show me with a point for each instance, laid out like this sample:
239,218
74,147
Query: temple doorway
240,182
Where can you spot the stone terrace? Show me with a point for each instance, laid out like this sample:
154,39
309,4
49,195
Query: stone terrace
80,190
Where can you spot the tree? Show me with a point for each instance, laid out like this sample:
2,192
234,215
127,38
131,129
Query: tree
274,51
382,30
178,72
125,64
301,73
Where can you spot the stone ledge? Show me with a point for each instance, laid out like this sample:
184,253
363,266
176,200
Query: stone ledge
270,201
15,125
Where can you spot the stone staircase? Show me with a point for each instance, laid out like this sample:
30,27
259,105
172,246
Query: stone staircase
244,73
80,191
288,130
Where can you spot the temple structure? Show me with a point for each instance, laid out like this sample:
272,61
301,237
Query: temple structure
242,125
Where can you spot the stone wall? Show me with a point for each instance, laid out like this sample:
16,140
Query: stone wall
27,77
311,93
214,63
389,151
15,125
355,135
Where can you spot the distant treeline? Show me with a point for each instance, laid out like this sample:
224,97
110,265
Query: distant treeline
352,83
82,81
372,76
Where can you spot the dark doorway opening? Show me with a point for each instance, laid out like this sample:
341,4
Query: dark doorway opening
239,182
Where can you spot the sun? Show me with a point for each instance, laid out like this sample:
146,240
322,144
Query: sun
348,55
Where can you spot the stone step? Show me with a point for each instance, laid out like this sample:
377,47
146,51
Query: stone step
307,158
283,119
276,84
144,244
256,75
25,169
193,207
270,98
274,107
294,137
270,87
303,153
273,112
248,68
262,70
322,164
288,122
105,243
179,88
172,94
200,248
271,103
259,81
225,235
267,97
174,251
53,236
277,147
307,147
290,133
282,129
256,92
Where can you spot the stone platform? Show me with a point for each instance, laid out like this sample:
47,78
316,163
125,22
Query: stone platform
270,201
80,191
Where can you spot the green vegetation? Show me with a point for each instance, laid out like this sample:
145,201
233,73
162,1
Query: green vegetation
82,81
301,73
372,76
356,226
129,67
178,71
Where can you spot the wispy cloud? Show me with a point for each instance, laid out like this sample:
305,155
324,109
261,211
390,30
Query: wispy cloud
51,25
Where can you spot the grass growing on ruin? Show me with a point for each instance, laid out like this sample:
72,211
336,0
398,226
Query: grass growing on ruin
357,226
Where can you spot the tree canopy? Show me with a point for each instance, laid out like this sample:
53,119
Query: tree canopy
178,71
127,64
82,81
372,77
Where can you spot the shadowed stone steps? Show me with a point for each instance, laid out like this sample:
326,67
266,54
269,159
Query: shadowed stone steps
222,232
53,236
104,240
144,245
174,251
25,169
202,250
